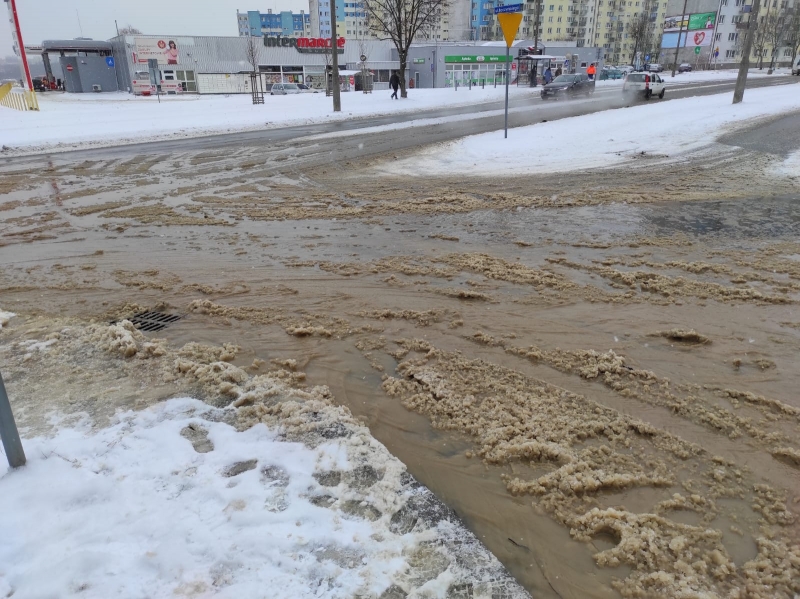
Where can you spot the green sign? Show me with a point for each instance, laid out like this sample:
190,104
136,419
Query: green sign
419,61
703,20
697,49
479,58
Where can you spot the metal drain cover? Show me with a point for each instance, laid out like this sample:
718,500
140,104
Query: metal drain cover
153,321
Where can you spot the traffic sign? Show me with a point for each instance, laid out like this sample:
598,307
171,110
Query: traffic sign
510,21
498,10
697,49
647,58
69,68
363,58
110,61
566,64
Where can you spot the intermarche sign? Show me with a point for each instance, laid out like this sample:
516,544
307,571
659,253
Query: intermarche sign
508,8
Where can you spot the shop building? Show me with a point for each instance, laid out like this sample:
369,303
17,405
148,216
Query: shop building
484,63
219,65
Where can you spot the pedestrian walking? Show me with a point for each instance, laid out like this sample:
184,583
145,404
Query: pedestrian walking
591,71
548,75
394,83
558,72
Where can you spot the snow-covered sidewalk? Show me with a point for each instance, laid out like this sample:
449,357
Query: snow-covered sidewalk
601,139
280,494
71,121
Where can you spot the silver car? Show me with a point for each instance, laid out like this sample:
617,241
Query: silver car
284,89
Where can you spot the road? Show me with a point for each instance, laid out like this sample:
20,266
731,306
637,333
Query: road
358,138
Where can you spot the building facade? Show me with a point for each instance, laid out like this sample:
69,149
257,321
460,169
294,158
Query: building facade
283,24
713,32
208,65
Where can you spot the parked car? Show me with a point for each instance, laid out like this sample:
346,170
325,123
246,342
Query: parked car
654,67
608,73
625,68
684,67
643,85
284,89
307,89
568,86
796,67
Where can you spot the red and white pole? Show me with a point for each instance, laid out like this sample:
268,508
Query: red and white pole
17,32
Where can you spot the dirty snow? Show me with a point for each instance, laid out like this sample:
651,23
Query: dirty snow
606,138
5,317
137,510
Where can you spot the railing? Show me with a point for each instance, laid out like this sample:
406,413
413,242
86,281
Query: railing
17,98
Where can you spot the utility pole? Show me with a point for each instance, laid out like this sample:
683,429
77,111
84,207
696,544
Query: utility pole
8,431
744,64
337,98
16,33
680,31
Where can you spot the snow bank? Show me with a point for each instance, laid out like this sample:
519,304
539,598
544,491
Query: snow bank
607,138
68,121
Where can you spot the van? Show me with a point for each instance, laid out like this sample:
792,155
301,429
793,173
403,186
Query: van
643,84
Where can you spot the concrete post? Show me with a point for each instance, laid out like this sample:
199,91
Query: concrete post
8,431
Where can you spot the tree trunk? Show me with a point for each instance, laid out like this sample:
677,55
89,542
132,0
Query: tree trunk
403,92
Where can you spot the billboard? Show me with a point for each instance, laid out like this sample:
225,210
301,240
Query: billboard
676,24
699,38
703,20
670,40
164,50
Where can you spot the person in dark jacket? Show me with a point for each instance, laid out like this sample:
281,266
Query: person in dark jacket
548,75
558,72
394,83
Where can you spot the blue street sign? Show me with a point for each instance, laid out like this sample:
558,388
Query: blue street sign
508,8
566,64
647,58
110,61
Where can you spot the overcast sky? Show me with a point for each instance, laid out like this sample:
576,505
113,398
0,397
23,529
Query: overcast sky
57,19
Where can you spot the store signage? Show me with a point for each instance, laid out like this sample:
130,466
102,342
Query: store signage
318,45
499,10
419,61
484,58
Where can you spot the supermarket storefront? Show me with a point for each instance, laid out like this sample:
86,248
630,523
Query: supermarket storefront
480,69
220,65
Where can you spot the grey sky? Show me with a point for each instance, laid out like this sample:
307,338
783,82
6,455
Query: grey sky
57,19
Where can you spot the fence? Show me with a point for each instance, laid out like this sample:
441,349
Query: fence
17,98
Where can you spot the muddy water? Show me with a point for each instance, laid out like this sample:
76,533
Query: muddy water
555,278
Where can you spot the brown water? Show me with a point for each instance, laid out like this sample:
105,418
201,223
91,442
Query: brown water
552,281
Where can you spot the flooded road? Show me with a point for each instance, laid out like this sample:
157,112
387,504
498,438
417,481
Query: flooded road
600,381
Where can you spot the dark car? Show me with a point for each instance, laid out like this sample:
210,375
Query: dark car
39,84
568,86
685,68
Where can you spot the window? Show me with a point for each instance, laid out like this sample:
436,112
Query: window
549,19
721,19
559,19
558,30
730,53
551,7
560,7
717,37
732,37
549,30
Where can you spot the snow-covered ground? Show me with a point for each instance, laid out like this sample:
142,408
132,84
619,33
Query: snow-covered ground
601,139
67,121
71,121
280,494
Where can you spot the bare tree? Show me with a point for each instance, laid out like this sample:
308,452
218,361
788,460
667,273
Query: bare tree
792,39
251,51
641,29
129,30
400,21
761,36
777,30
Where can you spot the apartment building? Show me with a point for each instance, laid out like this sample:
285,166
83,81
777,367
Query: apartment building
284,23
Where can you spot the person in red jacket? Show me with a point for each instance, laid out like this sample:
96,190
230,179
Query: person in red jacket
591,71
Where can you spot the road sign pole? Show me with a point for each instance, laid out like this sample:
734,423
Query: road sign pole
8,431
508,54
509,18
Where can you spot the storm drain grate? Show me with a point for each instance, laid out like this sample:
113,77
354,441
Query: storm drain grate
153,321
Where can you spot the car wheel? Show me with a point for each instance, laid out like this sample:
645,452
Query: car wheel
647,94
661,94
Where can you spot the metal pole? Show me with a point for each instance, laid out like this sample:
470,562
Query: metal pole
8,431
680,31
337,98
744,64
505,136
